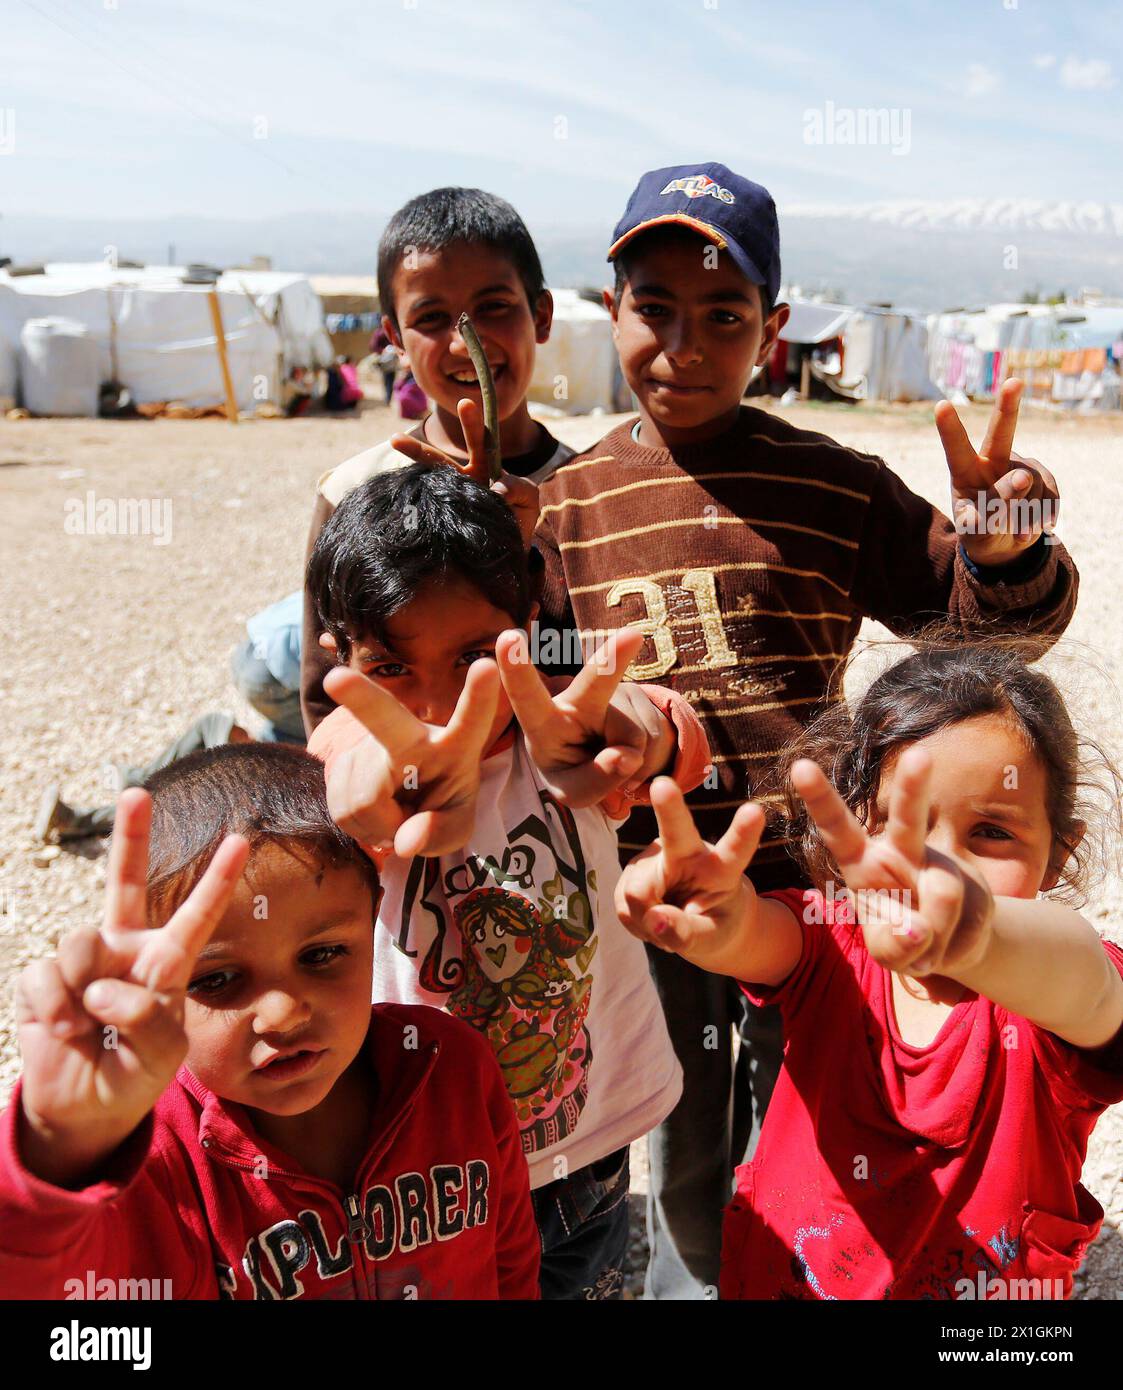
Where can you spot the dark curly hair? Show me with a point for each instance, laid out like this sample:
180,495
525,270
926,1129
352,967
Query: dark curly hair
406,528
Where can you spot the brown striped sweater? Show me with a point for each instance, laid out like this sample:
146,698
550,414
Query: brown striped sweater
750,560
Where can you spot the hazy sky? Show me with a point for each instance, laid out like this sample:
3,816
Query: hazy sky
246,109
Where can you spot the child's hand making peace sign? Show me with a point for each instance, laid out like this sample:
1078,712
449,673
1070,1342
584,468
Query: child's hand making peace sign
922,913
594,736
412,786
1018,496
520,494
684,895
101,1023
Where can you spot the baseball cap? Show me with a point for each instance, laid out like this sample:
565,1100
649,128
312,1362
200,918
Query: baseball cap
737,215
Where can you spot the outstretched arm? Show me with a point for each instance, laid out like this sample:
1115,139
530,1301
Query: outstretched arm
931,916
1047,963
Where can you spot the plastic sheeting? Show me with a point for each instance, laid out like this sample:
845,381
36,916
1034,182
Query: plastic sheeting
154,333
58,367
886,358
810,322
576,369
1069,355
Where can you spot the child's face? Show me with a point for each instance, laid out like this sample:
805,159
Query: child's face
432,289
429,645
689,332
279,1001
987,806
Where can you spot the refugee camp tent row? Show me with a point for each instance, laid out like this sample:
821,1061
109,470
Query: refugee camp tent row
351,313
867,353
1069,355
66,332
72,328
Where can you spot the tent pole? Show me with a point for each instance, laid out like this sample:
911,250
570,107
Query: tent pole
220,342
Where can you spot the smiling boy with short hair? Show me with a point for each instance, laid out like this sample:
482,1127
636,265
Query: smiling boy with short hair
749,552
446,252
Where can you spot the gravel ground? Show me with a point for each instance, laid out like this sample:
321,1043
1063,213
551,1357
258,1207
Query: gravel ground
116,643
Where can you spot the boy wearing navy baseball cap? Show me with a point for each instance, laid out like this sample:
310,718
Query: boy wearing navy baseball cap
697,245
749,551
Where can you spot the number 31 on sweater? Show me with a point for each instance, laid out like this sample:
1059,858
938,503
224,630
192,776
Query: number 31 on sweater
657,624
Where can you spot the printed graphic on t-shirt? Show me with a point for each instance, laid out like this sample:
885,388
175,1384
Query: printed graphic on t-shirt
833,1253
513,940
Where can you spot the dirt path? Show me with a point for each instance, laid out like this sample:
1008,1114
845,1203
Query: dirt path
113,644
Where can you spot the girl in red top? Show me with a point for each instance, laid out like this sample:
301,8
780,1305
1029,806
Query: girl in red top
953,1033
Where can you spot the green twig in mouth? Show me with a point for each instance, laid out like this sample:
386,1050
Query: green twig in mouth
467,331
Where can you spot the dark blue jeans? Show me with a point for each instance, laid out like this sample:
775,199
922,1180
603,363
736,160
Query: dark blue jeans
714,1127
583,1226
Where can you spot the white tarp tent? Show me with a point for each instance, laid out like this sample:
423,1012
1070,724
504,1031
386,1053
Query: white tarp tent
811,322
154,333
884,351
886,357
576,370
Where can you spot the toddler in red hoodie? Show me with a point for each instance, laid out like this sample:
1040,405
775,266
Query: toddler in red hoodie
211,1107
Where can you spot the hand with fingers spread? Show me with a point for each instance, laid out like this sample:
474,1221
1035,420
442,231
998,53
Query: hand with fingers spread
1001,502
411,786
101,1024
594,737
520,494
922,913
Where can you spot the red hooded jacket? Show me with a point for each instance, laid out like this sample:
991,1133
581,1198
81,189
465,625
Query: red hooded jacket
197,1205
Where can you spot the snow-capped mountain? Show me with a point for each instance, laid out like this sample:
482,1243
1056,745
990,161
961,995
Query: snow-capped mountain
933,255
974,214
923,255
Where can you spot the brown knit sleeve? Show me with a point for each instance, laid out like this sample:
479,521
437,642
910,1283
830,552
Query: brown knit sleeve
315,663
557,648
910,571
552,593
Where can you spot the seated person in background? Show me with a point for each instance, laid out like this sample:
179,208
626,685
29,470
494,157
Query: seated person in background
266,668
266,671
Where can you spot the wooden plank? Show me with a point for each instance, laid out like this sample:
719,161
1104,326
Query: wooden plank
220,342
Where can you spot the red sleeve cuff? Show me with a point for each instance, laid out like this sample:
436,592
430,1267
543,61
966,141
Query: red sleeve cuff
692,759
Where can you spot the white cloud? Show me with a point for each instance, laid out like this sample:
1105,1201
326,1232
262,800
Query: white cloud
1044,60
1092,75
981,80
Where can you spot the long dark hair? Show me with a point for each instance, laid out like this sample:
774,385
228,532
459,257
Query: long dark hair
946,682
